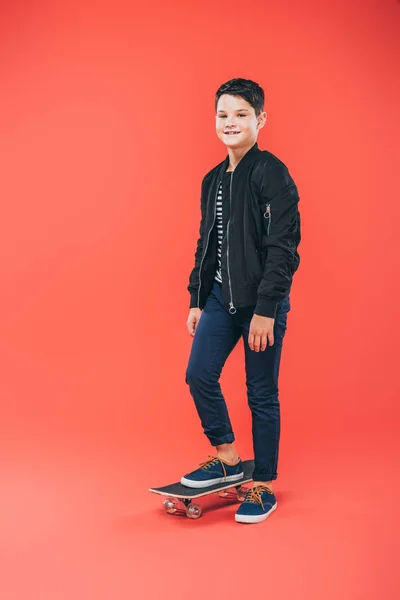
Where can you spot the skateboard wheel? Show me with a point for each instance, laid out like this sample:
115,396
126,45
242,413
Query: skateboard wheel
222,493
193,511
241,494
169,506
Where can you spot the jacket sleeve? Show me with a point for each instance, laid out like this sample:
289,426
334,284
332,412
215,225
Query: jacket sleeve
281,237
194,280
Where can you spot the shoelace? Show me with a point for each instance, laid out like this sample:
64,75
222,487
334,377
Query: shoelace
254,494
212,460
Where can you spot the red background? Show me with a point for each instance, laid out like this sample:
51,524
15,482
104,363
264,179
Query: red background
107,120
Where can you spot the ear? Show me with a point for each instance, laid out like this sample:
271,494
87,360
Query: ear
262,119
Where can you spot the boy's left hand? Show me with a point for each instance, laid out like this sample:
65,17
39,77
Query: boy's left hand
261,332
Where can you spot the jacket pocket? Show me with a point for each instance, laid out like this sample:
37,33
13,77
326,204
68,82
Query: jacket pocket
254,266
261,258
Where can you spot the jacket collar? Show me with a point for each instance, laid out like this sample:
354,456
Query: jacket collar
246,159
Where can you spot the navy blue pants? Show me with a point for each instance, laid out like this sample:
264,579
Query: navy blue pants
216,335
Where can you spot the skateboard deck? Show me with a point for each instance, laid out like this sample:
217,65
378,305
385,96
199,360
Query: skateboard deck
179,497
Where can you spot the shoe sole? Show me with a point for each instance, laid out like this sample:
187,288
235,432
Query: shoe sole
255,518
203,484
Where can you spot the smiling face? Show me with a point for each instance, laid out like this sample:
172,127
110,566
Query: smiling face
236,123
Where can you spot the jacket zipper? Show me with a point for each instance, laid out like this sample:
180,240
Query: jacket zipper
268,215
208,239
232,309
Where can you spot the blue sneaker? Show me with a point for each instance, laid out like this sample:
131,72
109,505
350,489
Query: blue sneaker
213,471
258,504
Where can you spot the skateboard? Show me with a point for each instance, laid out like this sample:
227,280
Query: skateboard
179,497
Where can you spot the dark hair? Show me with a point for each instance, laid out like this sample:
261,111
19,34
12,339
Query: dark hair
246,89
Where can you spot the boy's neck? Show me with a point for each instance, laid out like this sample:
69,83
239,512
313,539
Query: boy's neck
235,157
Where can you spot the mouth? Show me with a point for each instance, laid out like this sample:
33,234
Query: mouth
231,132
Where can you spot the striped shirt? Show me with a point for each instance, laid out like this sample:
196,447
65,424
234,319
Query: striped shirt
220,231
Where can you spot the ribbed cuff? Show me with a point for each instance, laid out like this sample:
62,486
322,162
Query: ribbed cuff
266,308
194,299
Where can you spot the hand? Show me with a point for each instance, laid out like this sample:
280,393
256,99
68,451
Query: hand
193,320
261,332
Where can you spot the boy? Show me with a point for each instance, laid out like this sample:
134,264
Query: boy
245,260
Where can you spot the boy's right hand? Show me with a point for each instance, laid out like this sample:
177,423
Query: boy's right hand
193,320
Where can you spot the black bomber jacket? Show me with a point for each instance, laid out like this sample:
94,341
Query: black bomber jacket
262,233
